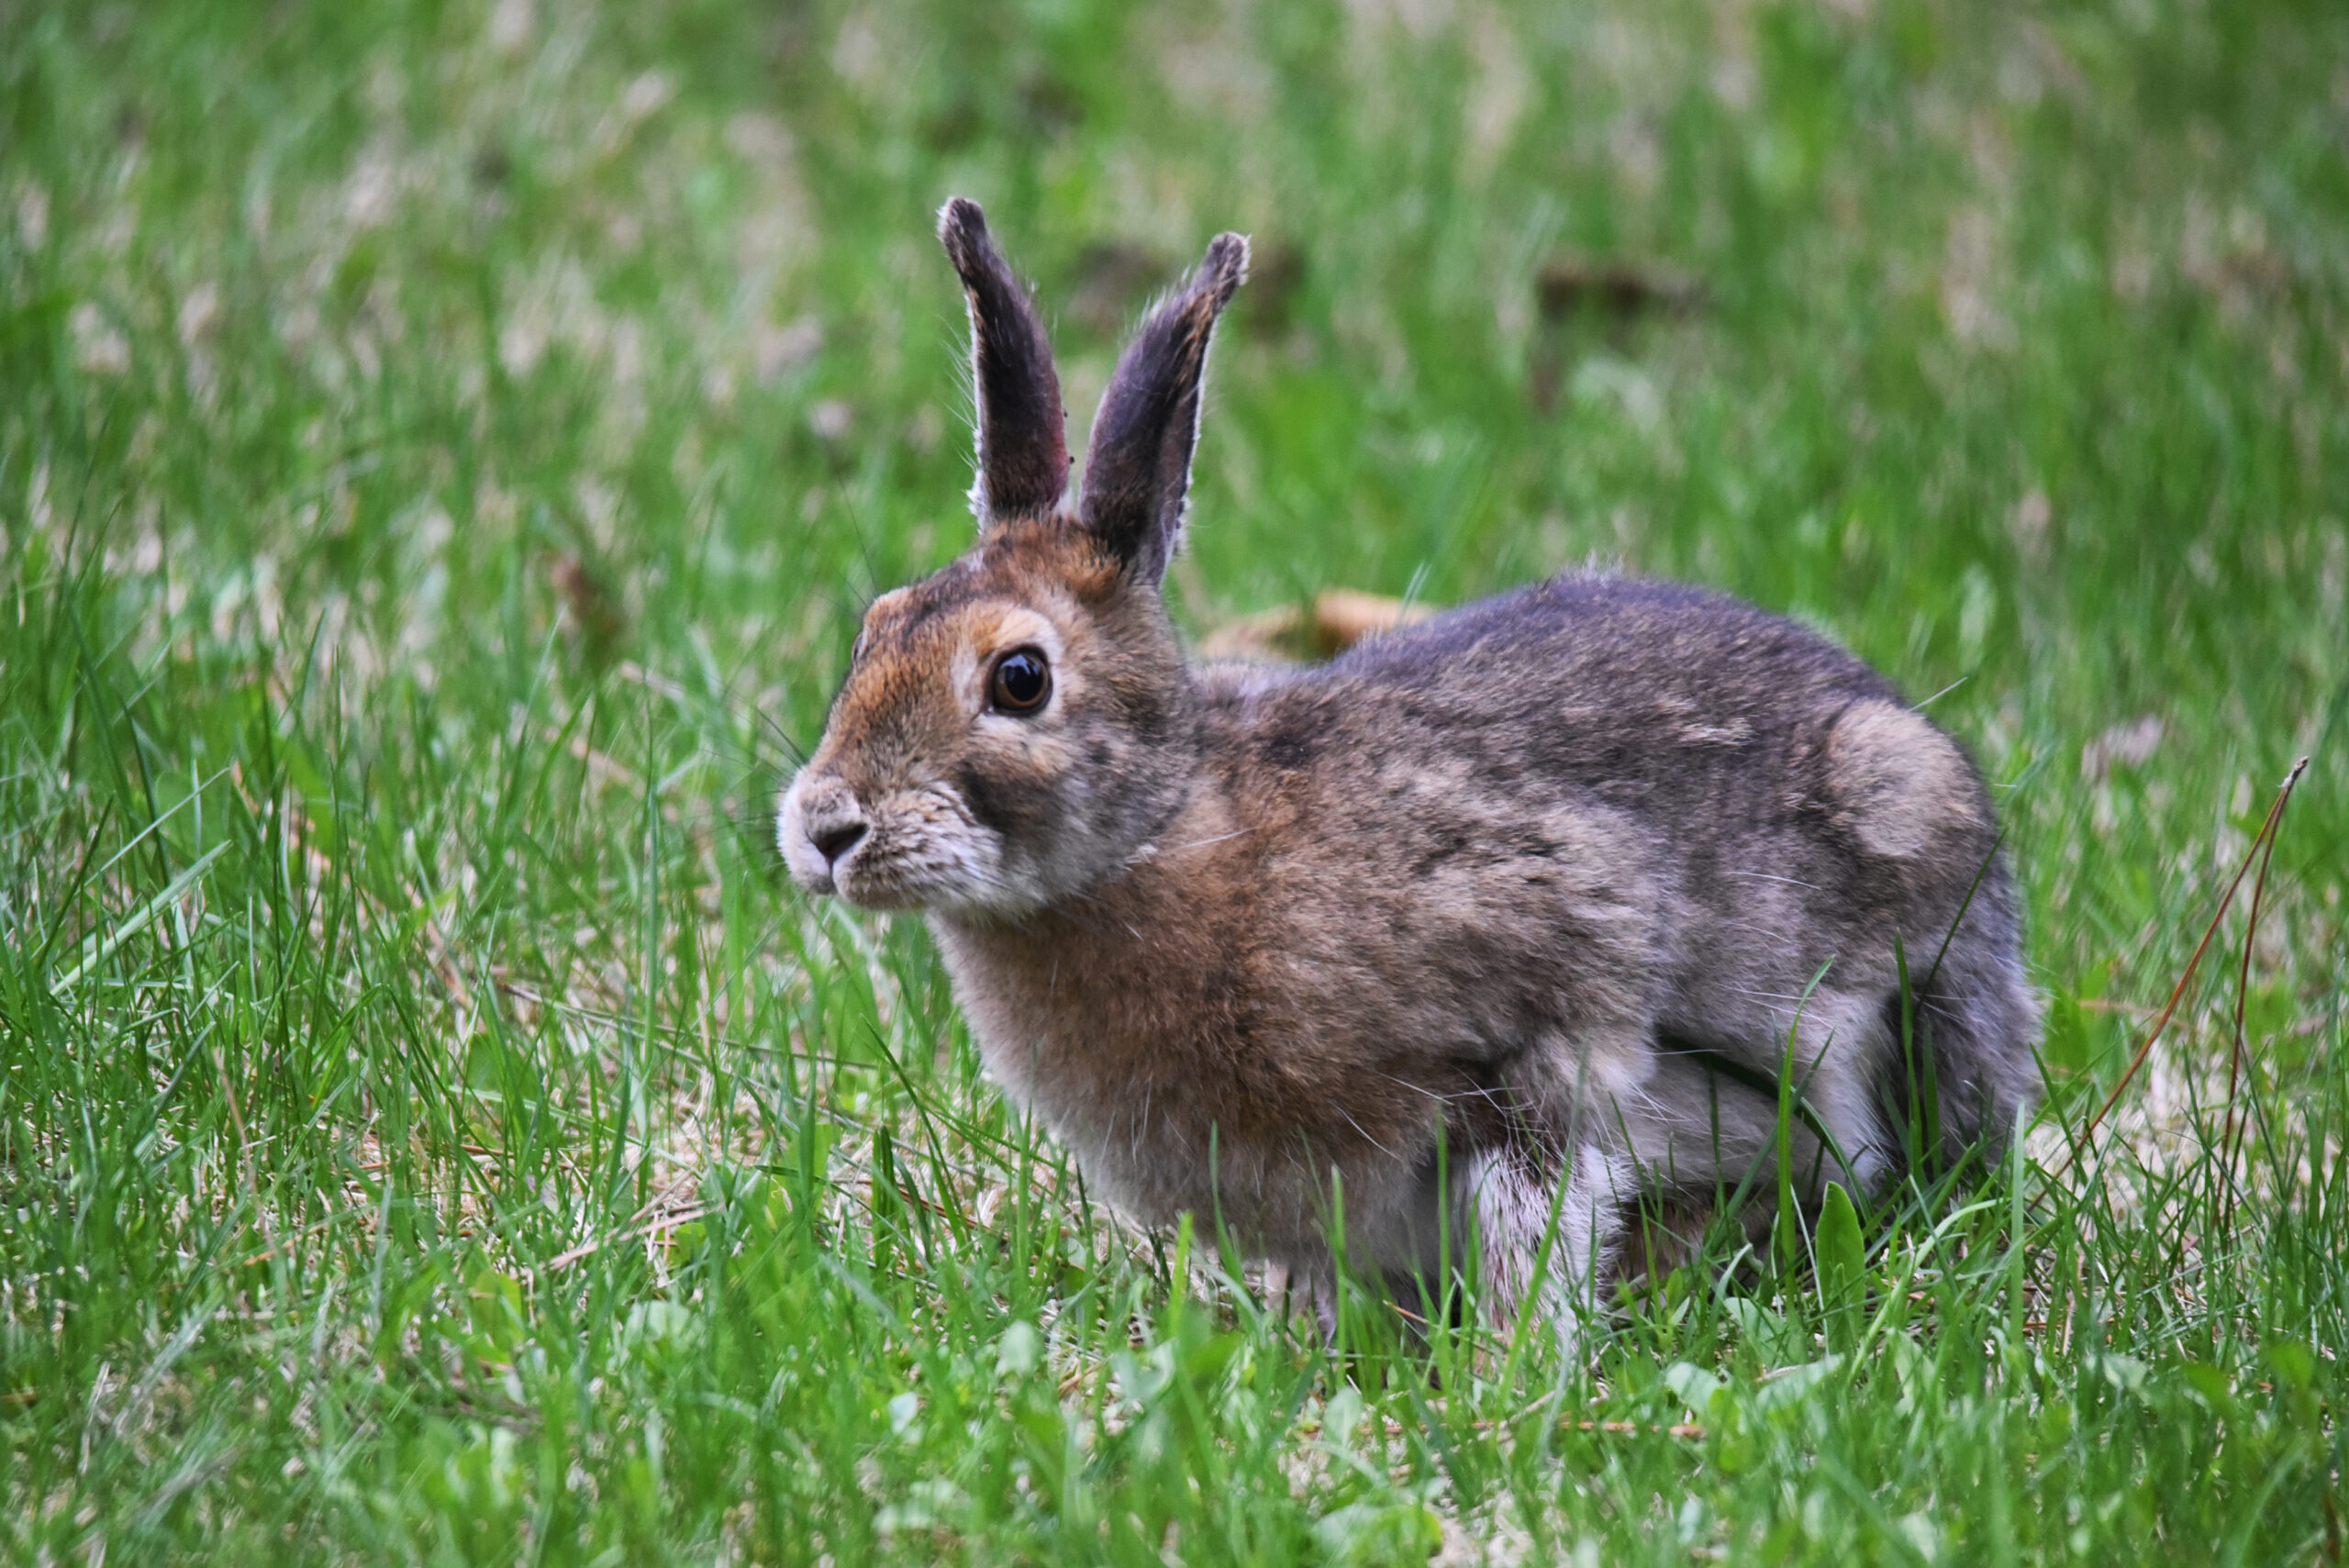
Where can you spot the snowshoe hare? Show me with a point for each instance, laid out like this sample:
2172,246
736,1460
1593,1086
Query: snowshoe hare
1547,891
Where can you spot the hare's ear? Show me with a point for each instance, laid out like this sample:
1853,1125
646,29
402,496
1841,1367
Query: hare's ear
1138,466
1023,445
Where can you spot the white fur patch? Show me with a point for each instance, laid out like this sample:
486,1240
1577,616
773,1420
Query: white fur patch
1901,780
1512,1213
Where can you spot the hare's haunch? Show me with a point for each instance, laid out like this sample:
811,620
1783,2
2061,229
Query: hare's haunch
1537,891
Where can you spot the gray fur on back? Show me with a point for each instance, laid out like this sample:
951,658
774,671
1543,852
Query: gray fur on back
1701,726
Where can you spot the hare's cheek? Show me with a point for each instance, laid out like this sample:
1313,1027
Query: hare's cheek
1013,803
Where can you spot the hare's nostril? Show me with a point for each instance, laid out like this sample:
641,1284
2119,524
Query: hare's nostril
837,840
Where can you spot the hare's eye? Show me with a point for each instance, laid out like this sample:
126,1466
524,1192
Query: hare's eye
1021,682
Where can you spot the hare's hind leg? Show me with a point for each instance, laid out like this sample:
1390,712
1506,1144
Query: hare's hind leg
1959,1060
1546,1227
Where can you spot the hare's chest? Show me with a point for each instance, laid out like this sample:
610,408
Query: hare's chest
1143,1073
1180,1091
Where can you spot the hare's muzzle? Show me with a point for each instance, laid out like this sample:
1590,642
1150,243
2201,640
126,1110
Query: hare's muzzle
818,827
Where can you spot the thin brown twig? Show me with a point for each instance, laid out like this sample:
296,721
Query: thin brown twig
2267,830
1676,1429
668,1221
2237,1128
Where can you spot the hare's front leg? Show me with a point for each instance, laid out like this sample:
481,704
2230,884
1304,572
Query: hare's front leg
1521,1195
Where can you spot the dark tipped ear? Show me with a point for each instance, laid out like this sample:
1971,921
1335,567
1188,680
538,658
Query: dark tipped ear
1023,442
1138,466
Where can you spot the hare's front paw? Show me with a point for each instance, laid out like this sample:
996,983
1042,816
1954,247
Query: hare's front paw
1521,1198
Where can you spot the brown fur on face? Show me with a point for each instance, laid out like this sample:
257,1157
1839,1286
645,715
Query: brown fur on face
1495,929
981,811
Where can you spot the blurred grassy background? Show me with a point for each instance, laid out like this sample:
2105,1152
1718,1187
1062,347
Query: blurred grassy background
444,449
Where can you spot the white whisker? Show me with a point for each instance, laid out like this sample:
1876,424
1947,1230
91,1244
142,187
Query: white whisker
1220,838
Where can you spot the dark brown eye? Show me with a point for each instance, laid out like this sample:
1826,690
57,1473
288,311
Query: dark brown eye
1022,680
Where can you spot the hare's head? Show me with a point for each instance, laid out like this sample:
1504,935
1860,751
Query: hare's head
1019,726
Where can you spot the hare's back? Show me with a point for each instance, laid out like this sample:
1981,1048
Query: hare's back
1773,779
1646,694
1619,637
1771,795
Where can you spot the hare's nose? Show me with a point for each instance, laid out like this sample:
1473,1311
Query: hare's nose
836,840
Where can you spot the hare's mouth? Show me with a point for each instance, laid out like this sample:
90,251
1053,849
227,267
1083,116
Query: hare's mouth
924,851
928,876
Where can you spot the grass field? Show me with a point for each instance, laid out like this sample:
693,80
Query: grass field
445,447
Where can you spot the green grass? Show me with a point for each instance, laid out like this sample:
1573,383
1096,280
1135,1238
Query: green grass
443,450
